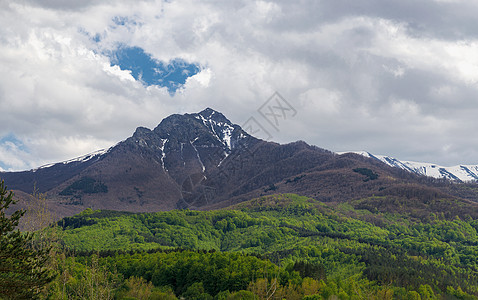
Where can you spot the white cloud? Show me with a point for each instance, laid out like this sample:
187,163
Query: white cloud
115,70
383,77
322,102
203,78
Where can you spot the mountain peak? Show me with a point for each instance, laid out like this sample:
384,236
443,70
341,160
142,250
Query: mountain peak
140,131
208,112
224,130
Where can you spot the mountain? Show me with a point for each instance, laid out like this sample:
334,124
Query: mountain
145,172
464,173
204,161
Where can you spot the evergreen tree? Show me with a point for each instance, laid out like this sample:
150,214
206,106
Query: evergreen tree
23,271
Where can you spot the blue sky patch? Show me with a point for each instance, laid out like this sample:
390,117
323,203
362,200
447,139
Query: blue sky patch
14,140
5,142
149,71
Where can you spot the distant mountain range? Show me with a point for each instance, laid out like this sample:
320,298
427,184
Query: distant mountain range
463,173
203,161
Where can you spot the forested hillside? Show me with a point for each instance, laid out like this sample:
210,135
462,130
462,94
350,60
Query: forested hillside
284,246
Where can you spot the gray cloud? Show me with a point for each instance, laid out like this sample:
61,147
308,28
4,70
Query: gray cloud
59,4
390,77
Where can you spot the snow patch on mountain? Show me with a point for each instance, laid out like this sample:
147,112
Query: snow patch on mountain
163,154
459,173
227,134
96,155
221,127
197,155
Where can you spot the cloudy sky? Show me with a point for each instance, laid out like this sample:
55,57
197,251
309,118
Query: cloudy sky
394,77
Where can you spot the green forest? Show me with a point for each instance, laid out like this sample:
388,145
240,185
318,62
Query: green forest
275,247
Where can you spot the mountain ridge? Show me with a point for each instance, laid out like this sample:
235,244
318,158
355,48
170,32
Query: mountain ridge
463,173
203,161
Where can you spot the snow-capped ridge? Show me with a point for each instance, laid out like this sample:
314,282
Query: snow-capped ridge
464,173
84,158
